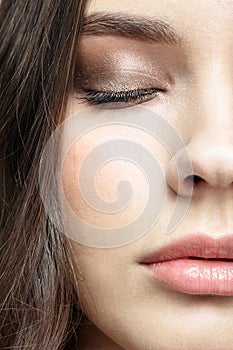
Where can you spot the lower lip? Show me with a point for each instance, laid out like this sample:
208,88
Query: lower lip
196,276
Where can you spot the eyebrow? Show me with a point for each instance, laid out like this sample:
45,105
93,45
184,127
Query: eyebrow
149,29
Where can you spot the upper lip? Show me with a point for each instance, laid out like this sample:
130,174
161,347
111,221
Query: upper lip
199,245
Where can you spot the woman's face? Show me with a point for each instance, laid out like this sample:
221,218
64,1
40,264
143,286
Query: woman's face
186,73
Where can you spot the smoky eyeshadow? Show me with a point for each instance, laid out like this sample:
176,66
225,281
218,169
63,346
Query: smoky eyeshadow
113,63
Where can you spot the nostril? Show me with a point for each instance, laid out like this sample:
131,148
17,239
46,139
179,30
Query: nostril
193,178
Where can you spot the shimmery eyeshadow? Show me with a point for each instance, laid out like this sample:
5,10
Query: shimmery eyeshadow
111,62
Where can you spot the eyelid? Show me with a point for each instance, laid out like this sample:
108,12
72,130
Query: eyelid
126,96
117,86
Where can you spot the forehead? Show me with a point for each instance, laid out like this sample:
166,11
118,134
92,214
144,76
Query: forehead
200,20
169,7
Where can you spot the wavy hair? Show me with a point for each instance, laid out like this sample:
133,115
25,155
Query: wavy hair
38,294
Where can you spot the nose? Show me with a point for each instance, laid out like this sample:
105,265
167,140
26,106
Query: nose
210,153
210,141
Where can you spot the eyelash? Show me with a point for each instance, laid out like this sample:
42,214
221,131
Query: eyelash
95,97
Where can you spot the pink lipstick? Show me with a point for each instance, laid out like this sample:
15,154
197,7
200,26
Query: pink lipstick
195,264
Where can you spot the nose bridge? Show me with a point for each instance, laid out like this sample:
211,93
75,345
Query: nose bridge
214,88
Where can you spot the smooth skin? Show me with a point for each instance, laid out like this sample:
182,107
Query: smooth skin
127,309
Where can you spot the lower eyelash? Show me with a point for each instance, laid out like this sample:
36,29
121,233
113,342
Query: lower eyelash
100,97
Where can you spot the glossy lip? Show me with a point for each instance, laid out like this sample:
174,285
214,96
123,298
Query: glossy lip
198,244
172,264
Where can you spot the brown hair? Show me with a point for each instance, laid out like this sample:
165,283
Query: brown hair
38,294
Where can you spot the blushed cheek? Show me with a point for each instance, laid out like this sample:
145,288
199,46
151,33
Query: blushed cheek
107,177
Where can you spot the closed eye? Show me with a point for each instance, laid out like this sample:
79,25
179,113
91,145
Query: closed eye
95,97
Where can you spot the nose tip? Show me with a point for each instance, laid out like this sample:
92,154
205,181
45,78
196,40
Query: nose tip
213,164
210,164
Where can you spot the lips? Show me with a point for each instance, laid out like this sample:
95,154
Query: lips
195,264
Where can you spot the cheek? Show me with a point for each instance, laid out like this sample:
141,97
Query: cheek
101,183
104,188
